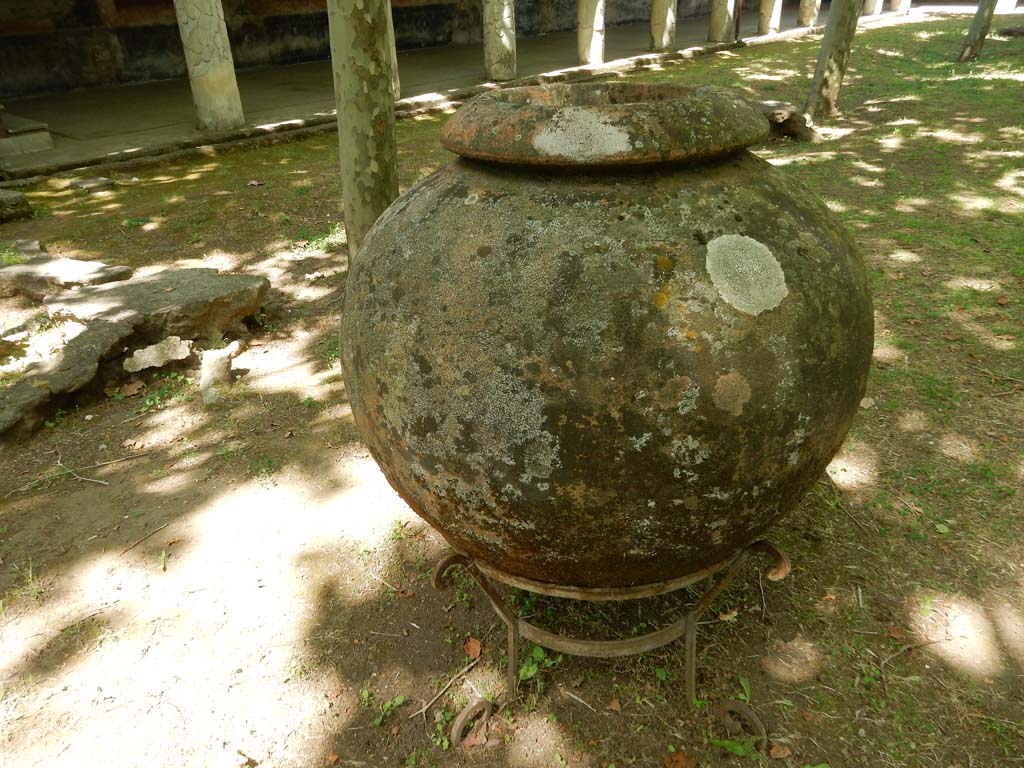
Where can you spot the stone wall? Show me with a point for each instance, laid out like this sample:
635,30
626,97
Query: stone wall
57,45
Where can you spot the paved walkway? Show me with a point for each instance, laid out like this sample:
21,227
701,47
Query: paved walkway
117,122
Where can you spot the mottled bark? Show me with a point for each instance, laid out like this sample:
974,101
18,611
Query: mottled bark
663,25
211,69
769,19
873,7
807,16
720,27
590,31
499,30
396,81
361,60
833,57
979,30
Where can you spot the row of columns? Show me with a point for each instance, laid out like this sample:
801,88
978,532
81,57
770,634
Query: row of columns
218,105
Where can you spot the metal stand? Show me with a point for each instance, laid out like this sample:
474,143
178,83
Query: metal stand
723,573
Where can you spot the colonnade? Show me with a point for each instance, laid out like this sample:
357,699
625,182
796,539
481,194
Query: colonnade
215,90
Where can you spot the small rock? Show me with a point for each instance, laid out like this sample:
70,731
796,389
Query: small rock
29,248
156,355
96,184
216,370
787,120
13,206
867,402
42,276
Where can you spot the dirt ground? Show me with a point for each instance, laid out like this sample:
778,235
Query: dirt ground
238,585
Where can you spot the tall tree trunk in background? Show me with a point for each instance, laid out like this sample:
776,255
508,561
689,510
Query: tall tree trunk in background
769,18
834,55
720,25
978,31
363,92
396,82
499,29
873,7
807,16
663,25
211,68
590,31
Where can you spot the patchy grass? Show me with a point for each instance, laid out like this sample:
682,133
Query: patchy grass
297,612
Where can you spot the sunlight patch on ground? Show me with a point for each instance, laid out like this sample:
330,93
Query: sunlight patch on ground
913,421
998,341
959,447
903,256
887,353
855,467
537,743
974,283
959,632
1012,182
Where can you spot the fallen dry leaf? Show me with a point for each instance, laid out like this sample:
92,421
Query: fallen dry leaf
132,387
1003,300
896,633
680,760
395,729
476,737
332,759
172,542
614,705
779,751
472,648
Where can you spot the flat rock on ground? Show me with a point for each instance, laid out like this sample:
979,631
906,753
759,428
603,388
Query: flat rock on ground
187,303
41,276
13,206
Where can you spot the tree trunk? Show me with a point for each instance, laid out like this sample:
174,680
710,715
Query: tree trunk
720,27
590,31
979,30
396,81
663,25
807,16
833,57
211,69
499,27
361,61
769,20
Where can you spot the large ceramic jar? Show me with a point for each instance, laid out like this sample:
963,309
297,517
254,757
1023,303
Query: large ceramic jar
606,346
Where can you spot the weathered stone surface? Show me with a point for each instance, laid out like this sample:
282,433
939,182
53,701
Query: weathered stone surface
169,350
70,369
186,303
42,276
29,248
659,361
13,206
190,303
97,184
215,372
787,121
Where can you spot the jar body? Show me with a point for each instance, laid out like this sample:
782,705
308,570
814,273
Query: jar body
605,379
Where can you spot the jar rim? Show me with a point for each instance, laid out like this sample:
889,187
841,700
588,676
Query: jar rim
604,124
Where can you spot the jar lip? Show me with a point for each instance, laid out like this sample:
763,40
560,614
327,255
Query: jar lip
604,124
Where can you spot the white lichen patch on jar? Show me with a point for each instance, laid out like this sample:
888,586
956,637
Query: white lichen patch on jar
579,133
746,273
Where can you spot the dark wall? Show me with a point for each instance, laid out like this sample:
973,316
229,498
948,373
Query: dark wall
57,45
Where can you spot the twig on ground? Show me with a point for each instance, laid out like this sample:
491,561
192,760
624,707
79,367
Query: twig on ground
904,649
572,695
77,476
378,578
447,685
77,469
151,533
993,374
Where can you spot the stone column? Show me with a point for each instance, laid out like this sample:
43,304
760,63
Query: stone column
769,20
363,92
872,7
211,70
903,6
663,25
396,81
499,28
807,16
590,31
721,28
